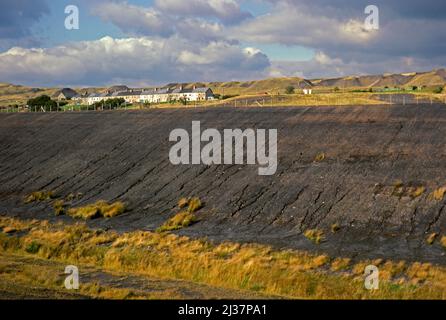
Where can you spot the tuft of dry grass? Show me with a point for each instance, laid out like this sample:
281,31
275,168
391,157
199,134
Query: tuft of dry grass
180,220
340,264
315,235
39,196
194,205
73,196
320,157
416,192
9,230
335,227
439,193
59,207
443,241
431,238
183,203
413,191
99,209
111,210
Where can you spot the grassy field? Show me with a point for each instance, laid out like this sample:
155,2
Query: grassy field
253,268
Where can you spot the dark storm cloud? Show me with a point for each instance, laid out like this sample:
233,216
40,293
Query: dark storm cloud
18,16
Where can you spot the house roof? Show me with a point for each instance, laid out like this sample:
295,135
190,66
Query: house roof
149,91
67,92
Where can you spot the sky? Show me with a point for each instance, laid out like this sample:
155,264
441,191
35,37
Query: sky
154,42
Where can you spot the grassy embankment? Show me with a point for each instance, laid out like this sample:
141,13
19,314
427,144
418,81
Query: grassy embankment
252,267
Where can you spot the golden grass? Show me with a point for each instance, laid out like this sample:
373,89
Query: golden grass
335,227
73,196
340,264
417,191
439,193
320,157
413,191
288,273
194,205
39,196
183,203
20,273
185,218
431,238
443,241
315,235
180,220
99,209
59,207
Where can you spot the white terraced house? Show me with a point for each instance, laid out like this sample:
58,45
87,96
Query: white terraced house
153,95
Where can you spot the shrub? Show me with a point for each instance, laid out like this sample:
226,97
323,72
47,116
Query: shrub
33,247
42,102
289,90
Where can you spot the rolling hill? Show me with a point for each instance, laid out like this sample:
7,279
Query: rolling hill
11,94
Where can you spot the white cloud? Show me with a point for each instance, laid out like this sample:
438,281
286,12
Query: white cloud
135,19
295,25
227,11
133,60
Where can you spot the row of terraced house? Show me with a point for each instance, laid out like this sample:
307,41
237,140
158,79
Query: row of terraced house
154,95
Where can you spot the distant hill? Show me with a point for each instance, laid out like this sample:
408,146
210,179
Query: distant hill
15,94
274,85
11,94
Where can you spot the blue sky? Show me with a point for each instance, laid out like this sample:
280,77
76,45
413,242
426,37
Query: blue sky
147,42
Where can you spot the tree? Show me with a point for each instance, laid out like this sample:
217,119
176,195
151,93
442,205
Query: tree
289,90
42,102
183,101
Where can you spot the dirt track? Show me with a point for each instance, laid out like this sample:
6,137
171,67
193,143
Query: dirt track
124,155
